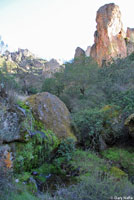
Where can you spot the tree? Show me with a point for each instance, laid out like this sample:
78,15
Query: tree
3,46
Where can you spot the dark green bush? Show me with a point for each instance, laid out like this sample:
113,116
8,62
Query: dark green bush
92,124
66,148
88,125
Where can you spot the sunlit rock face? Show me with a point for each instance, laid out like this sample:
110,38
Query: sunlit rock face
130,40
109,37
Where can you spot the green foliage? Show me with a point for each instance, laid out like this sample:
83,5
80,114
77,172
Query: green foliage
32,90
9,81
94,188
73,83
6,177
37,150
3,46
23,105
121,157
22,195
39,143
24,176
53,85
88,163
131,56
86,86
66,148
88,124
126,101
86,89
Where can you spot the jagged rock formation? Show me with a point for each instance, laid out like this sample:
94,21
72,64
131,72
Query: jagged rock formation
87,52
109,37
52,67
24,59
130,40
29,62
29,70
79,53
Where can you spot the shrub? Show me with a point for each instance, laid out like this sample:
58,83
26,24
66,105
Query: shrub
66,148
94,188
121,157
88,125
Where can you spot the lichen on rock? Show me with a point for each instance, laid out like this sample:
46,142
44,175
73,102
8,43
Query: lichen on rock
52,112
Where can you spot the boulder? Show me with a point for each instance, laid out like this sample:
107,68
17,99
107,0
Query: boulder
24,142
9,125
79,53
109,42
52,112
129,122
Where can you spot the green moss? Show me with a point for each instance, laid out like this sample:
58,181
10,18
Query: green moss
118,173
36,151
38,125
38,143
62,131
23,105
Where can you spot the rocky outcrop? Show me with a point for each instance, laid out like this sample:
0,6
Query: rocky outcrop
22,137
130,40
87,52
109,42
29,70
19,55
30,63
52,67
79,53
52,112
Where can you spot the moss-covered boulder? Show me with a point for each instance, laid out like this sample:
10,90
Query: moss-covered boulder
52,112
24,143
129,123
9,124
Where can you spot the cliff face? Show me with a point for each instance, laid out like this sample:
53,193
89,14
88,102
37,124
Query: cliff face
109,37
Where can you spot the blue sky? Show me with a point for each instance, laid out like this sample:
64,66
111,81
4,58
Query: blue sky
54,28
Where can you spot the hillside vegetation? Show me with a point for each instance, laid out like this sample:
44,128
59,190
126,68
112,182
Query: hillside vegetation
100,164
